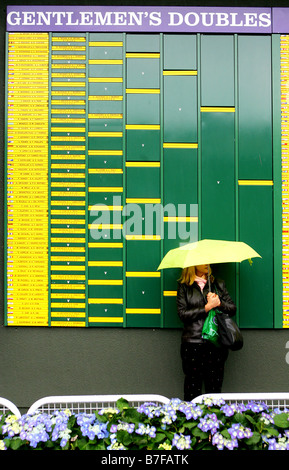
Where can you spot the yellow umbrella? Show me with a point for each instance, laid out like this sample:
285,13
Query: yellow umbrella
207,252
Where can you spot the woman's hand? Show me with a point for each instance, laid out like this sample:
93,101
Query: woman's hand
213,301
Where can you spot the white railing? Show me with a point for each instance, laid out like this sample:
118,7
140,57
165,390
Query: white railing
90,403
7,405
272,400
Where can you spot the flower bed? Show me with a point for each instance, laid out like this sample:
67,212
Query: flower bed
178,425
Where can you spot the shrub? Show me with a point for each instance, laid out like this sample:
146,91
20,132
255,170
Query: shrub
178,425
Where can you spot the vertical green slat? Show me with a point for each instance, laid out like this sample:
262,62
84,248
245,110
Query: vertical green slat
236,103
277,181
162,169
49,180
5,182
124,172
199,137
86,182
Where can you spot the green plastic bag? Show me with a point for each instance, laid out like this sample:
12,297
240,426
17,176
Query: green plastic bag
210,328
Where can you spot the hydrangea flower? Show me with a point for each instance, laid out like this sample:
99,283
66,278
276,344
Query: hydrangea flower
149,409
191,410
210,422
11,426
146,429
169,412
91,427
181,442
2,445
232,408
256,407
281,443
238,431
210,401
129,427
32,428
165,446
220,442
116,446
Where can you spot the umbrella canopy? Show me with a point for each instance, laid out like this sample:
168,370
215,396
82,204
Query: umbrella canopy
207,252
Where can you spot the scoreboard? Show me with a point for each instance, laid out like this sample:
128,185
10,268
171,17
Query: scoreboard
84,150
120,146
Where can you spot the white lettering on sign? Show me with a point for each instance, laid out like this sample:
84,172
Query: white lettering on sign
137,19
220,19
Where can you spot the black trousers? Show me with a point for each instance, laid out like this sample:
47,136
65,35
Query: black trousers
203,364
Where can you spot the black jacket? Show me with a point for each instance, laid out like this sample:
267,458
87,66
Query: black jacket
191,303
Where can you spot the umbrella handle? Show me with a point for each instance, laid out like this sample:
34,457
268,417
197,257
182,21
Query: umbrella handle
209,283
209,278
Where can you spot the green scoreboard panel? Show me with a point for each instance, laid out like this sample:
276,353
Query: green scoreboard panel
122,146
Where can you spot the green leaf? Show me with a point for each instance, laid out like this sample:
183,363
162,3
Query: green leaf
81,444
253,439
197,432
190,424
124,437
239,418
160,436
131,415
226,434
16,443
250,419
271,431
281,420
122,403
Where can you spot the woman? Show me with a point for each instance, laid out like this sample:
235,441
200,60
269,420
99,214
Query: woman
202,362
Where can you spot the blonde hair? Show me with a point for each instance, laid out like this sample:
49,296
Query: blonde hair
188,275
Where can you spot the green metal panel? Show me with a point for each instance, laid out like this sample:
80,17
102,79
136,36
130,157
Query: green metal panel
256,281
107,52
180,52
105,143
105,106
142,219
105,254
105,124
105,272
177,234
180,168
105,179
99,232
142,42
104,89
255,108
218,175
106,37
143,73
105,310
105,70
143,255
143,182
180,108
143,145
143,320
217,70
143,292
108,162
171,318
143,108
277,178
105,291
